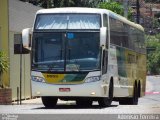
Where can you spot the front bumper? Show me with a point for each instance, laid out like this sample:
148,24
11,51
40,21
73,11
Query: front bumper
93,89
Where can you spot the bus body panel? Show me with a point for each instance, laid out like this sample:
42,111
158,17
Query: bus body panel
126,66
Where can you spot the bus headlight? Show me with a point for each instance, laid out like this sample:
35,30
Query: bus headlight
38,79
92,79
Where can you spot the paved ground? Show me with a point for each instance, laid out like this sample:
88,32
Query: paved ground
149,104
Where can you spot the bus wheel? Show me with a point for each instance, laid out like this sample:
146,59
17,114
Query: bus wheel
106,101
84,103
139,89
131,101
134,99
49,101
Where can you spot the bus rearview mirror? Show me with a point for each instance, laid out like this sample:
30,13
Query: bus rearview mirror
26,38
103,35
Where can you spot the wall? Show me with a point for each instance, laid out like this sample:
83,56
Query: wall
21,15
15,70
4,34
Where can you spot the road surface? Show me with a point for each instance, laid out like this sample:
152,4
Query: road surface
149,104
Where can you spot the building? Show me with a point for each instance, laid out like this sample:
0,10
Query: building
16,16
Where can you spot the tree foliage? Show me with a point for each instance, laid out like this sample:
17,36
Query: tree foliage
3,65
157,15
116,7
153,54
113,6
152,1
3,62
63,3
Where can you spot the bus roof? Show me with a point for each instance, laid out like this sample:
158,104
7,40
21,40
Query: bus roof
89,10
72,10
123,19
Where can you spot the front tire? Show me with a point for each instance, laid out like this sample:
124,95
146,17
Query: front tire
106,101
49,101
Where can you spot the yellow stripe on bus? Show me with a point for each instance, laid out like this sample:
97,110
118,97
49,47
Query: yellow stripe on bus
53,78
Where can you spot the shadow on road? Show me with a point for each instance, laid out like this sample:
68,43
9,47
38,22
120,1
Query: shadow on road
74,107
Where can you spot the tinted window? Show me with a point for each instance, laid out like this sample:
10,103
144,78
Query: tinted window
67,21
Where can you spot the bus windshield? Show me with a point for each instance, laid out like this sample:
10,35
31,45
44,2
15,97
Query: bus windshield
66,51
67,21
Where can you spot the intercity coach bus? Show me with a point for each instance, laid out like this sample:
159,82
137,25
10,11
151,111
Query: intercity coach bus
86,55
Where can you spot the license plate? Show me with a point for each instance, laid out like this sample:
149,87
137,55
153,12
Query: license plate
64,90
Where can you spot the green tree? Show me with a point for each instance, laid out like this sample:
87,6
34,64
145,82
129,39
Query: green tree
63,3
157,18
3,66
153,53
113,6
116,7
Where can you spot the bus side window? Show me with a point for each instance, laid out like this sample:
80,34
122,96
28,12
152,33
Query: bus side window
132,38
125,36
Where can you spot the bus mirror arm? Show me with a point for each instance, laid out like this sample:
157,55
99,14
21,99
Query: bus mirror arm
104,60
104,56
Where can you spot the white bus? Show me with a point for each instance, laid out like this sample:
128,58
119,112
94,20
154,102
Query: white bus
86,55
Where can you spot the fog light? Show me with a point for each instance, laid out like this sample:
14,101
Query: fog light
93,93
38,79
92,79
38,93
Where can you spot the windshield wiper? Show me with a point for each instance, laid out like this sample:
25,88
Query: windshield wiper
61,53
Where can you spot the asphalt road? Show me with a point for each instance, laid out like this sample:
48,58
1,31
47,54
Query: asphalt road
34,109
